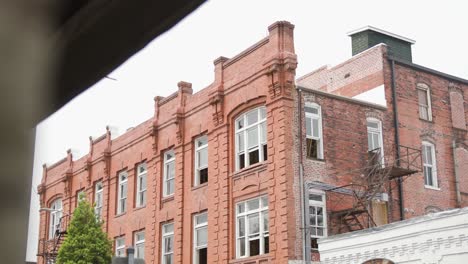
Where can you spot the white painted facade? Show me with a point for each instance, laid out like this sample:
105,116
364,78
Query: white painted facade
431,239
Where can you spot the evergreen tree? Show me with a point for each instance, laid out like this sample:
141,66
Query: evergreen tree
85,243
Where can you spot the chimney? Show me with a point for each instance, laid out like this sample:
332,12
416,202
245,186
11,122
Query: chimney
367,37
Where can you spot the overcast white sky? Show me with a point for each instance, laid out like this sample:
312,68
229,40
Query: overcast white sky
225,28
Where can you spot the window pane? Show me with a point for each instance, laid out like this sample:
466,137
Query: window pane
369,142
203,158
254,157
252,137
242,247
169,228
372,124
263,134
308,126
375,139
422,97
241,208
253,204
203,174
309,109
429,155
240,142
254,225
202,141
241,227
264,200
266,244
170,170
265,152
262,112
241,161
254,247
315,197
201,218
202,236
312,148
170,187
252,117
265,222
315,128
240,123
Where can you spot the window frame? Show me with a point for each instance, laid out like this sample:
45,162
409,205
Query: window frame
55,216
323,205
378,130
121,247
433,166
121,199
425,88
318,117
196,227
261,211
199,149
98,199
261,125
166,178
140,195
138,244
169,235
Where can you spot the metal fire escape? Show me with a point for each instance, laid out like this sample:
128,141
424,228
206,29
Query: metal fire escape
352,203
48,248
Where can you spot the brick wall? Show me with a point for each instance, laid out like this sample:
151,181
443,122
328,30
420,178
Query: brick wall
261,75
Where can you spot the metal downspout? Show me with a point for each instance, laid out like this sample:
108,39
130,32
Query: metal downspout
305,252
397,138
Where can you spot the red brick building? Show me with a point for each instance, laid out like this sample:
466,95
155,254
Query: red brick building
215,176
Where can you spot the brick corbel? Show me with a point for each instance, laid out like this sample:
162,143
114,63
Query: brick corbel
217,104
185,90
282,71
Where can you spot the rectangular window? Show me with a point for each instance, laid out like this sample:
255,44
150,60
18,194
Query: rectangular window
200,238
252,236
80,196
374,139
167,243
140,245
429,165
141,185
314,141
424,102
122,193
251,138
317,217
169,173
120,246
201,160
98,198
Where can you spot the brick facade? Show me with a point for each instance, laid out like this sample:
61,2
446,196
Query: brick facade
264,75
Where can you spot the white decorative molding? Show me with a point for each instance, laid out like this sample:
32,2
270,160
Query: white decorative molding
431,239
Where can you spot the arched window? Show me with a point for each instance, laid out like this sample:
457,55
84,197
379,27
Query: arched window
429,165
314,138
55,215
250,138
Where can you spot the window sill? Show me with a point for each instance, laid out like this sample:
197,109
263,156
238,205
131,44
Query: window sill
427,120
139,208
432,188
257,166
119,215
200,186
315,159
167,198
254,259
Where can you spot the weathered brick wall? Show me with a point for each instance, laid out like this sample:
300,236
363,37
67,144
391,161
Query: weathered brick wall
261,75
354,76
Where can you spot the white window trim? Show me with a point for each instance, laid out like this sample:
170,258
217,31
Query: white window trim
166,175
122,197
262,233
195,238
433,166
166,235
380,131
141,193
244,130
98,199
197,150
319,118
138,243
427,90
54,217
322,204
121,247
